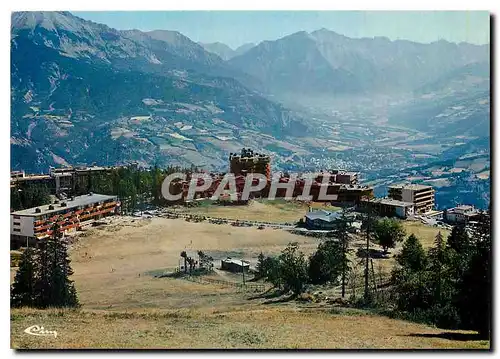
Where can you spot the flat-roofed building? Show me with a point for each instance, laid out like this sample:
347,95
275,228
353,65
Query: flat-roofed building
345,194
234,265
68,180
353,194
17,174
36,180
249,161
461,214
346,177
422,196
339,176
70,214
321,219
75,180
388,207
63,181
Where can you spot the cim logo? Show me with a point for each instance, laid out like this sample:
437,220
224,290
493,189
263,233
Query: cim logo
40,331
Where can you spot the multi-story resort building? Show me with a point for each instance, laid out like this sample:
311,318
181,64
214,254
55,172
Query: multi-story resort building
249,161
345,177
421,196
71,214
69,180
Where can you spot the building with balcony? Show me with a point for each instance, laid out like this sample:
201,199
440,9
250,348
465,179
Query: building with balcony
71,214
422,196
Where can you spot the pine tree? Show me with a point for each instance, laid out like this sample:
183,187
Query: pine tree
272,270
341,231
454,289
436,256
53,286
368,223
325,265
459,240
15,199
156,184
22,292
63,293
442,283
42,285
474,295
474,288
412,256
260,267
293,268
459,248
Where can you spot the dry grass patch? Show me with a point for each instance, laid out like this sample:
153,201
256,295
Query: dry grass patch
426,234
125,307
114,265
272,327
274,211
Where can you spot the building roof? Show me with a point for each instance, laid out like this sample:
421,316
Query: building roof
323,215
412,186
236,261
93,168
391,202
464,209
61,174
31,177
76,202
78,169
350,173
355,187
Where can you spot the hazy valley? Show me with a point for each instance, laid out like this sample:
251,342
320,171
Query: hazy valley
85,93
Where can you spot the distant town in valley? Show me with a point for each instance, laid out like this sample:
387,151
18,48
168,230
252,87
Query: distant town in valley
69,192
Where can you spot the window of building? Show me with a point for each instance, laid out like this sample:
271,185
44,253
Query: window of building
17,230
17,223
17,217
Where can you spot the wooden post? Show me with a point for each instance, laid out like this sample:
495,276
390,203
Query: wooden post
373,276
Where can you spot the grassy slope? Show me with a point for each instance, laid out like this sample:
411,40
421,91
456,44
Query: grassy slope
275,211
123,307
425,234
271,327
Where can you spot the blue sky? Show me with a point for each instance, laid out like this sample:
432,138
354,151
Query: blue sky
235,28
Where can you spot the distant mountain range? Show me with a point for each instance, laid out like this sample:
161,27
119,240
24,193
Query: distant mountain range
80,91
224,51
325,62
83,92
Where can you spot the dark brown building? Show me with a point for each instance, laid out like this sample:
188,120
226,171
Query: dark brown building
234,265
249,161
